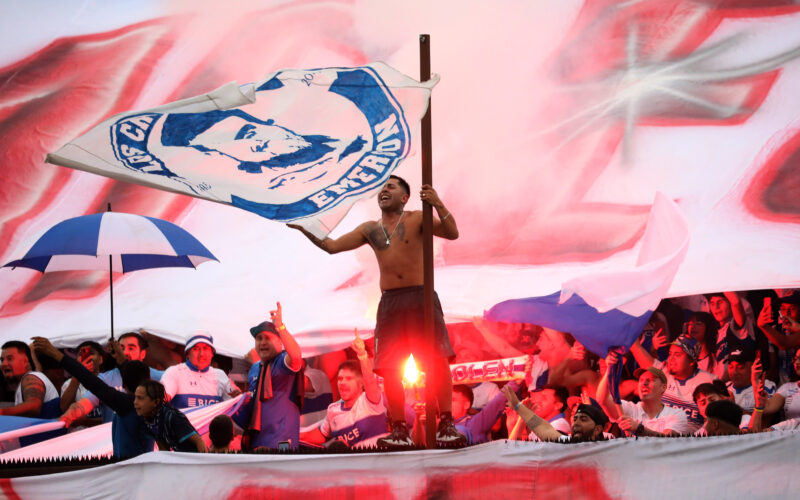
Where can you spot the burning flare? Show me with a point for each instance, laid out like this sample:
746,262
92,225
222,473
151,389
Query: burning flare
410,373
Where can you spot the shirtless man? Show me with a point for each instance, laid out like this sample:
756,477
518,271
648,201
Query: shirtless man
396,239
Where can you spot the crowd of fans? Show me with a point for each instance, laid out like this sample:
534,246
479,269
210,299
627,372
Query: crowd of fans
718,364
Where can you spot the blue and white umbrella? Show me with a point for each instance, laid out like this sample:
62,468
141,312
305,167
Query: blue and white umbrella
115,241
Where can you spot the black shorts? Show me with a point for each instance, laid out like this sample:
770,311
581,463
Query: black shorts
398,331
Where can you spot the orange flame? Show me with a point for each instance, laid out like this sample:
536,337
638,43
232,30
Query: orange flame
411,373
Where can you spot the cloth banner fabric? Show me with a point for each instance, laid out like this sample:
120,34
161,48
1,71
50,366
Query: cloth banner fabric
610,308
298,146
750,466
16,432
96,441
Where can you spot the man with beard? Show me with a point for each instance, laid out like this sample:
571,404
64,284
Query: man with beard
131,346
34,394
648,417
276,384
396,239
588,421
682,374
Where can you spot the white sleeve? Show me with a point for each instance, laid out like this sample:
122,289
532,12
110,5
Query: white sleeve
170,380
629,409
223,384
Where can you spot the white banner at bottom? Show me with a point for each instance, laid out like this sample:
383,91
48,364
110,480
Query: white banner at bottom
750,466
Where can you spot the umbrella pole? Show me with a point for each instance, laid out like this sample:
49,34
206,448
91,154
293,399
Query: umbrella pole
111,289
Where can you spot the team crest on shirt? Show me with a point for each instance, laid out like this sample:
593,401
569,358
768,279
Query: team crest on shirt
310,140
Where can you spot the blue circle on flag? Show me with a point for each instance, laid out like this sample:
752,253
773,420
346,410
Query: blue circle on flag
311,140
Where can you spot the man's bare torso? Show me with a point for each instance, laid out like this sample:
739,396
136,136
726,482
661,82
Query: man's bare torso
399,262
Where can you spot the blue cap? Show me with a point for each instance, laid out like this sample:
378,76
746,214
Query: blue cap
264,326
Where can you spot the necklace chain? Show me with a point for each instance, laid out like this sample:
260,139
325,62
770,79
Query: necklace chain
389,236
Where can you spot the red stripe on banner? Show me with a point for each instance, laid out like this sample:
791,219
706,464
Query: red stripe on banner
772,194
8,490
525,482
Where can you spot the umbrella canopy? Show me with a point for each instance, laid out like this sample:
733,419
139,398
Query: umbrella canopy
115,241
133,242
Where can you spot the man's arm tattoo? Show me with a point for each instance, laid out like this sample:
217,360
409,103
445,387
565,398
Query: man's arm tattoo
32,388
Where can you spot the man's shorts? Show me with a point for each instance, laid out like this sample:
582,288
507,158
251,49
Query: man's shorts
398,331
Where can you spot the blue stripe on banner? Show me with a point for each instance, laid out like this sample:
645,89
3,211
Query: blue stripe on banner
365,428
192,400
76,236
182,242
597,331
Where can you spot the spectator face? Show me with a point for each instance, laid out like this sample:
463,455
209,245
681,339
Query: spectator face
584,428
679,363
13,363
131,349
460,405
739,373
88,354
703,400
545,403
696,329
720,309
350,386
268,345
790,310
650,387
797,363
200,356
143,404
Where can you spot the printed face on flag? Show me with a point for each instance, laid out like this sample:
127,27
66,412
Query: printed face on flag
307,141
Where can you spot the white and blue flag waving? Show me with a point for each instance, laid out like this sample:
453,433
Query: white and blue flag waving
609,308
299,146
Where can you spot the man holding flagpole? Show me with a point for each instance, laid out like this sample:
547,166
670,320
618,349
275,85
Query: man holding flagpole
396,239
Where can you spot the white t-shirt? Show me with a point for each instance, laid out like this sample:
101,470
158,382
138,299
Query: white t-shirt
679,394
791,404
745,397
673,419
80,394
189,388
50,402
358,426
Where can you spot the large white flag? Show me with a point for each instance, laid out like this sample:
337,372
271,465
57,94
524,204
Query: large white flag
298,146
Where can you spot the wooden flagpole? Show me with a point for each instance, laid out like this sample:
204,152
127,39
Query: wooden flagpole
427,248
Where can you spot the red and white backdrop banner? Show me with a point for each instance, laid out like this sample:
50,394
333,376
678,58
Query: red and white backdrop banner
751,466
554,125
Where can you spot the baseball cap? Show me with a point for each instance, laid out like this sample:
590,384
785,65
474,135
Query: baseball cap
741,355
655,371
264,326
793,298
690,346
200,337
596,414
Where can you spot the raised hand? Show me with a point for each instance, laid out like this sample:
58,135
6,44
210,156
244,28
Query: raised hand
358,346
276,316
660,339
